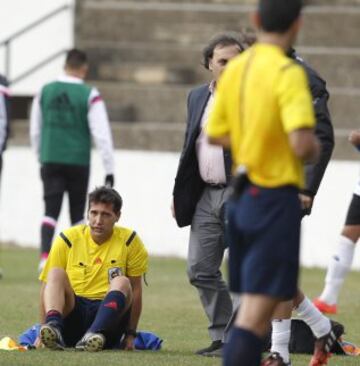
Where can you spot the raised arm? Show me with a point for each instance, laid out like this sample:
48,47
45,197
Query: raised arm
100,130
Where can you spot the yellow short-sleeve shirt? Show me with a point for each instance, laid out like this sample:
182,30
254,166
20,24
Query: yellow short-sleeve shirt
89,266
261,97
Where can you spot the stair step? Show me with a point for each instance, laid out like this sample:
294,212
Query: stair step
343,149
135,102
154,63
345,107
167,103
187,23
126,135
166,137
131,102
338,66
149,136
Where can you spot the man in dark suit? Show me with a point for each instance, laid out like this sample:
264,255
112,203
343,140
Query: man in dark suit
201,188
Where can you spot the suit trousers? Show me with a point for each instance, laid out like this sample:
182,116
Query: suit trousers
205,255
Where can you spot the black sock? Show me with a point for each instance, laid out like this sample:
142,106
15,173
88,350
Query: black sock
243,349
108,312
54,317
47,234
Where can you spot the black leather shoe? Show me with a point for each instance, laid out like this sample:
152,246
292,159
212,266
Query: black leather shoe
214,346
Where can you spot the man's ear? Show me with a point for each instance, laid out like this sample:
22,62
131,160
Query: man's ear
118,216
255,19
84,71
211,64
298,24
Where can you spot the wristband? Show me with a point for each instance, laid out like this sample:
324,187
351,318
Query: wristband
131,332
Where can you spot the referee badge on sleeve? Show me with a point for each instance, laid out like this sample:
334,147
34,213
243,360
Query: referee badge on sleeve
114,272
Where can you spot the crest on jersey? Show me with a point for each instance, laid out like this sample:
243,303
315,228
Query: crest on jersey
114,272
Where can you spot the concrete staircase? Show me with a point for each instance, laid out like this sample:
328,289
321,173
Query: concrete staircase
146,56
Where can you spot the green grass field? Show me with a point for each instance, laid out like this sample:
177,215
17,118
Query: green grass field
171,310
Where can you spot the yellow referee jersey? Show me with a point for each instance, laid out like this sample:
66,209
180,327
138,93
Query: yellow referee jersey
261,97
89,266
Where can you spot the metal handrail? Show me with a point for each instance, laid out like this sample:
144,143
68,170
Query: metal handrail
7,42
37,67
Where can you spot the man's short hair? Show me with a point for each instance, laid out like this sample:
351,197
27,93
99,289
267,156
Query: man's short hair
223,40
108,196
75,59
278,15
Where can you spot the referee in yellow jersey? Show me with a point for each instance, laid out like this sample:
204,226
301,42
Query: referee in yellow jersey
263,111
91,292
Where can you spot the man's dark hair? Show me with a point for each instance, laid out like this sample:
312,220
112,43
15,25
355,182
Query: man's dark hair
278,15
106,195
223,40
75,59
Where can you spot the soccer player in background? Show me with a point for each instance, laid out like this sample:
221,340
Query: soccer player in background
340,262
64,116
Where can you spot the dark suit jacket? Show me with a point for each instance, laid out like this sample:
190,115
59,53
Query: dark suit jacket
188,183
323,129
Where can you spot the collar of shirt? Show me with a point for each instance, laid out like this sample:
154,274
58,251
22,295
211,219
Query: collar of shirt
70,79
212,87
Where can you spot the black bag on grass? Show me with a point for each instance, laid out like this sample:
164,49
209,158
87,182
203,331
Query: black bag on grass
302,339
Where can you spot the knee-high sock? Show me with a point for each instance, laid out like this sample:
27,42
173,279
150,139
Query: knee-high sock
280,338
48,225
338,268
319,324
108,312
243,349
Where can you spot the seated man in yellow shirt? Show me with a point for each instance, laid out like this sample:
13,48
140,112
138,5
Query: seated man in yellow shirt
91,294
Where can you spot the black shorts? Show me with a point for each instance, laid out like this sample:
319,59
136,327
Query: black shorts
264,236
60,178
353,214
80,319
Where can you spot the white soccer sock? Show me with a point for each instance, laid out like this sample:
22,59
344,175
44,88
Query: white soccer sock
280,338
319,324
338,268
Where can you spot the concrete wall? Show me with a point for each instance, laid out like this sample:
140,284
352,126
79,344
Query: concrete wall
145,180
39,43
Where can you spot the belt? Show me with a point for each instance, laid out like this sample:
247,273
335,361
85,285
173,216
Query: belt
217,185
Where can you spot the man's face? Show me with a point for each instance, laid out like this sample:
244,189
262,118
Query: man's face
221,56
102,219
